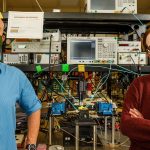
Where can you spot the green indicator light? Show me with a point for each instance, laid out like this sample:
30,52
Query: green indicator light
39,69
65,68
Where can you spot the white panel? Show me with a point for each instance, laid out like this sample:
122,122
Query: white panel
132,58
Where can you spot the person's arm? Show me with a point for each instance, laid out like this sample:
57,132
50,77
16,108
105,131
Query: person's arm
31,105
33,127
136,128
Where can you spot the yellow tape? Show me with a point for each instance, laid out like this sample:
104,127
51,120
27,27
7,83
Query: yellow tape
81,68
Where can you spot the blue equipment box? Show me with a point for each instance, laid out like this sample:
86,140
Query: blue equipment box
58,108
105,108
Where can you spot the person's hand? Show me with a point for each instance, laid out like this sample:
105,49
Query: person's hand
1,27
135,113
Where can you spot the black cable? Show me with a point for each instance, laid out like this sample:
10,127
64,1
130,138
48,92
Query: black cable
50,46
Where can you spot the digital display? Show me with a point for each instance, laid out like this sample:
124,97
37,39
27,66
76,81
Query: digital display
21,46
82,49
103,4
123,44
13,58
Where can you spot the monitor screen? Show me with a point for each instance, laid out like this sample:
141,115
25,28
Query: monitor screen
82,49
13,57
103,4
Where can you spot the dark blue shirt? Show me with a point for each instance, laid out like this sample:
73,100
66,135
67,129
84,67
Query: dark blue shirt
14,88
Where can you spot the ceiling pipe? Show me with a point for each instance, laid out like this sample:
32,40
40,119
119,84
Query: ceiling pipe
4,5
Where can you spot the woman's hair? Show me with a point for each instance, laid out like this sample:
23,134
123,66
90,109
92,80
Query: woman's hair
145,38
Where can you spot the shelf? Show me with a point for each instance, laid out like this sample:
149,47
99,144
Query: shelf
96,68
94,22
90,17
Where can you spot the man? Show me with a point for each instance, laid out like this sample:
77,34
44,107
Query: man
16,88
135,121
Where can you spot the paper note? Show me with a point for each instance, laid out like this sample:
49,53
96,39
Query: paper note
25,25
